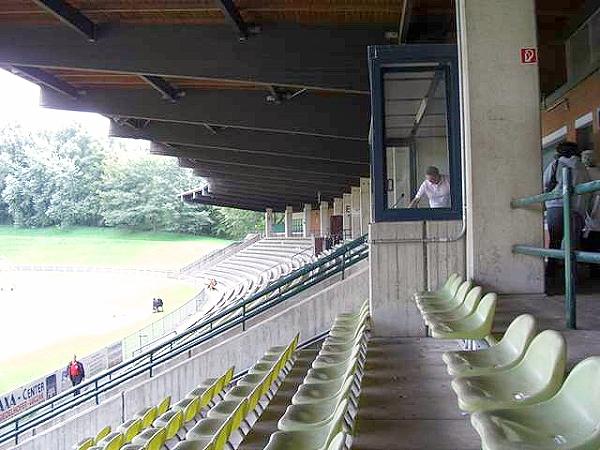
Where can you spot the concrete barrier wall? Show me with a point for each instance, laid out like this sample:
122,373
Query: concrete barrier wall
309,313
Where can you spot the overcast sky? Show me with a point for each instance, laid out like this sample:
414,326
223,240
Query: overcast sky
19,102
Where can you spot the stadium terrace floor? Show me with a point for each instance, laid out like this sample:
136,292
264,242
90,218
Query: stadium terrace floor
406,400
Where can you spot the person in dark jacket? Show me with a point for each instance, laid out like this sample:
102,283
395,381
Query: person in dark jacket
75,372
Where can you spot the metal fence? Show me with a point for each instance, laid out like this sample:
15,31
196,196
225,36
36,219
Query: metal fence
230,317
569,254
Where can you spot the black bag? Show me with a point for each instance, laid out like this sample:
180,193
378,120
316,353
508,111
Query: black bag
552,182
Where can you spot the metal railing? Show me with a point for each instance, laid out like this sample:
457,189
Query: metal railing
235,315
570,255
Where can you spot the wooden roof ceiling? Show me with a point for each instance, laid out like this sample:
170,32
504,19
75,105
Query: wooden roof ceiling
206,12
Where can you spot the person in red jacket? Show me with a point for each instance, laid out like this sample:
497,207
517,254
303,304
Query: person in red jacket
75,372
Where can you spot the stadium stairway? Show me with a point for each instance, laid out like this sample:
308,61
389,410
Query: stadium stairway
309,311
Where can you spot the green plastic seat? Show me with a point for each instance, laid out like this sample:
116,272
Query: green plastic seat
147,415
535,378
445,291
307,415
440,306
466,308
317,438
130,429
312,393
84,444
102,434
475,326
335,359
569,420
338,442
332,372
502,355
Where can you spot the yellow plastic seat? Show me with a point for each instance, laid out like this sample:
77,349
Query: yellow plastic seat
171,421
475,326
189,407
502,355
147,415
155,442
569,420
535,378
84,444
130,429
102,434
163,406
112,441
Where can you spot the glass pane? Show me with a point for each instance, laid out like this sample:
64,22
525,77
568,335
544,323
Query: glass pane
416,138
595,28
579,53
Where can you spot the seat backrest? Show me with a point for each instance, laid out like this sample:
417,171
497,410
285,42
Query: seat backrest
454,286
115,443
483,316
471,300
164,405
174,424
84,444
102,434
336,424
581,391
462,292
149,416
517,337
338,442
544,361
191,409
157,441
133,430
447,286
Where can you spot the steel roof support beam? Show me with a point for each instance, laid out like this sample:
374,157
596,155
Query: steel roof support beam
331,58
341,150
164,87
335,116
71,16
48,80
233,16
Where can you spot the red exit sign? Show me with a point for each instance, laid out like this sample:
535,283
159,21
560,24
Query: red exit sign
529,56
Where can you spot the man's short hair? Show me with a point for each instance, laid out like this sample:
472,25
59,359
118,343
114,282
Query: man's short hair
433,171
568,149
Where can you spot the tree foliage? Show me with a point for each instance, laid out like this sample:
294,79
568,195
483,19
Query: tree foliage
66,177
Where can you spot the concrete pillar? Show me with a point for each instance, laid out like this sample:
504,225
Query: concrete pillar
269,222
355,211
337,206
324,218
365,205
288,221
347,213
306,220
501,127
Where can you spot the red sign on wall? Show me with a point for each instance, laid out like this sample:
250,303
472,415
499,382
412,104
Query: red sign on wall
529,56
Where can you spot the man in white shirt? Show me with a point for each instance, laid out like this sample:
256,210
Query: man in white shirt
436,188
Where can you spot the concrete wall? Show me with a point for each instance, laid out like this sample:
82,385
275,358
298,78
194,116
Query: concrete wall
502,142
310,313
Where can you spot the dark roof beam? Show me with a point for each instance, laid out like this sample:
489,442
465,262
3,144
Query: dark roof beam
48,80
71,16
168,91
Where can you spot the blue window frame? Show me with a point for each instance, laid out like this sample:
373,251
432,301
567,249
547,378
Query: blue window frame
433,71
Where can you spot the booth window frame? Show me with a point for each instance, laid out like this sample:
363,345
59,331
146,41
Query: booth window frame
382,59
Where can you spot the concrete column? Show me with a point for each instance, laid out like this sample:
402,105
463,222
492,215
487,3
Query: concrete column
365,205
501,126
347,213
288,220
355,211
269,222
337,206
324,218
306,220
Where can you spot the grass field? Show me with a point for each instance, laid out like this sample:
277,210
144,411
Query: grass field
49,316
103,247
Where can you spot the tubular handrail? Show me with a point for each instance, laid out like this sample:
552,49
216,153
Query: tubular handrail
567,253
207,328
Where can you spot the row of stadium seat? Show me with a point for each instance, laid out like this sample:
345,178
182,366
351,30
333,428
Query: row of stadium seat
215,415
515,389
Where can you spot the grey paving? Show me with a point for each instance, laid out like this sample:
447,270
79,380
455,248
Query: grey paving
406,400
